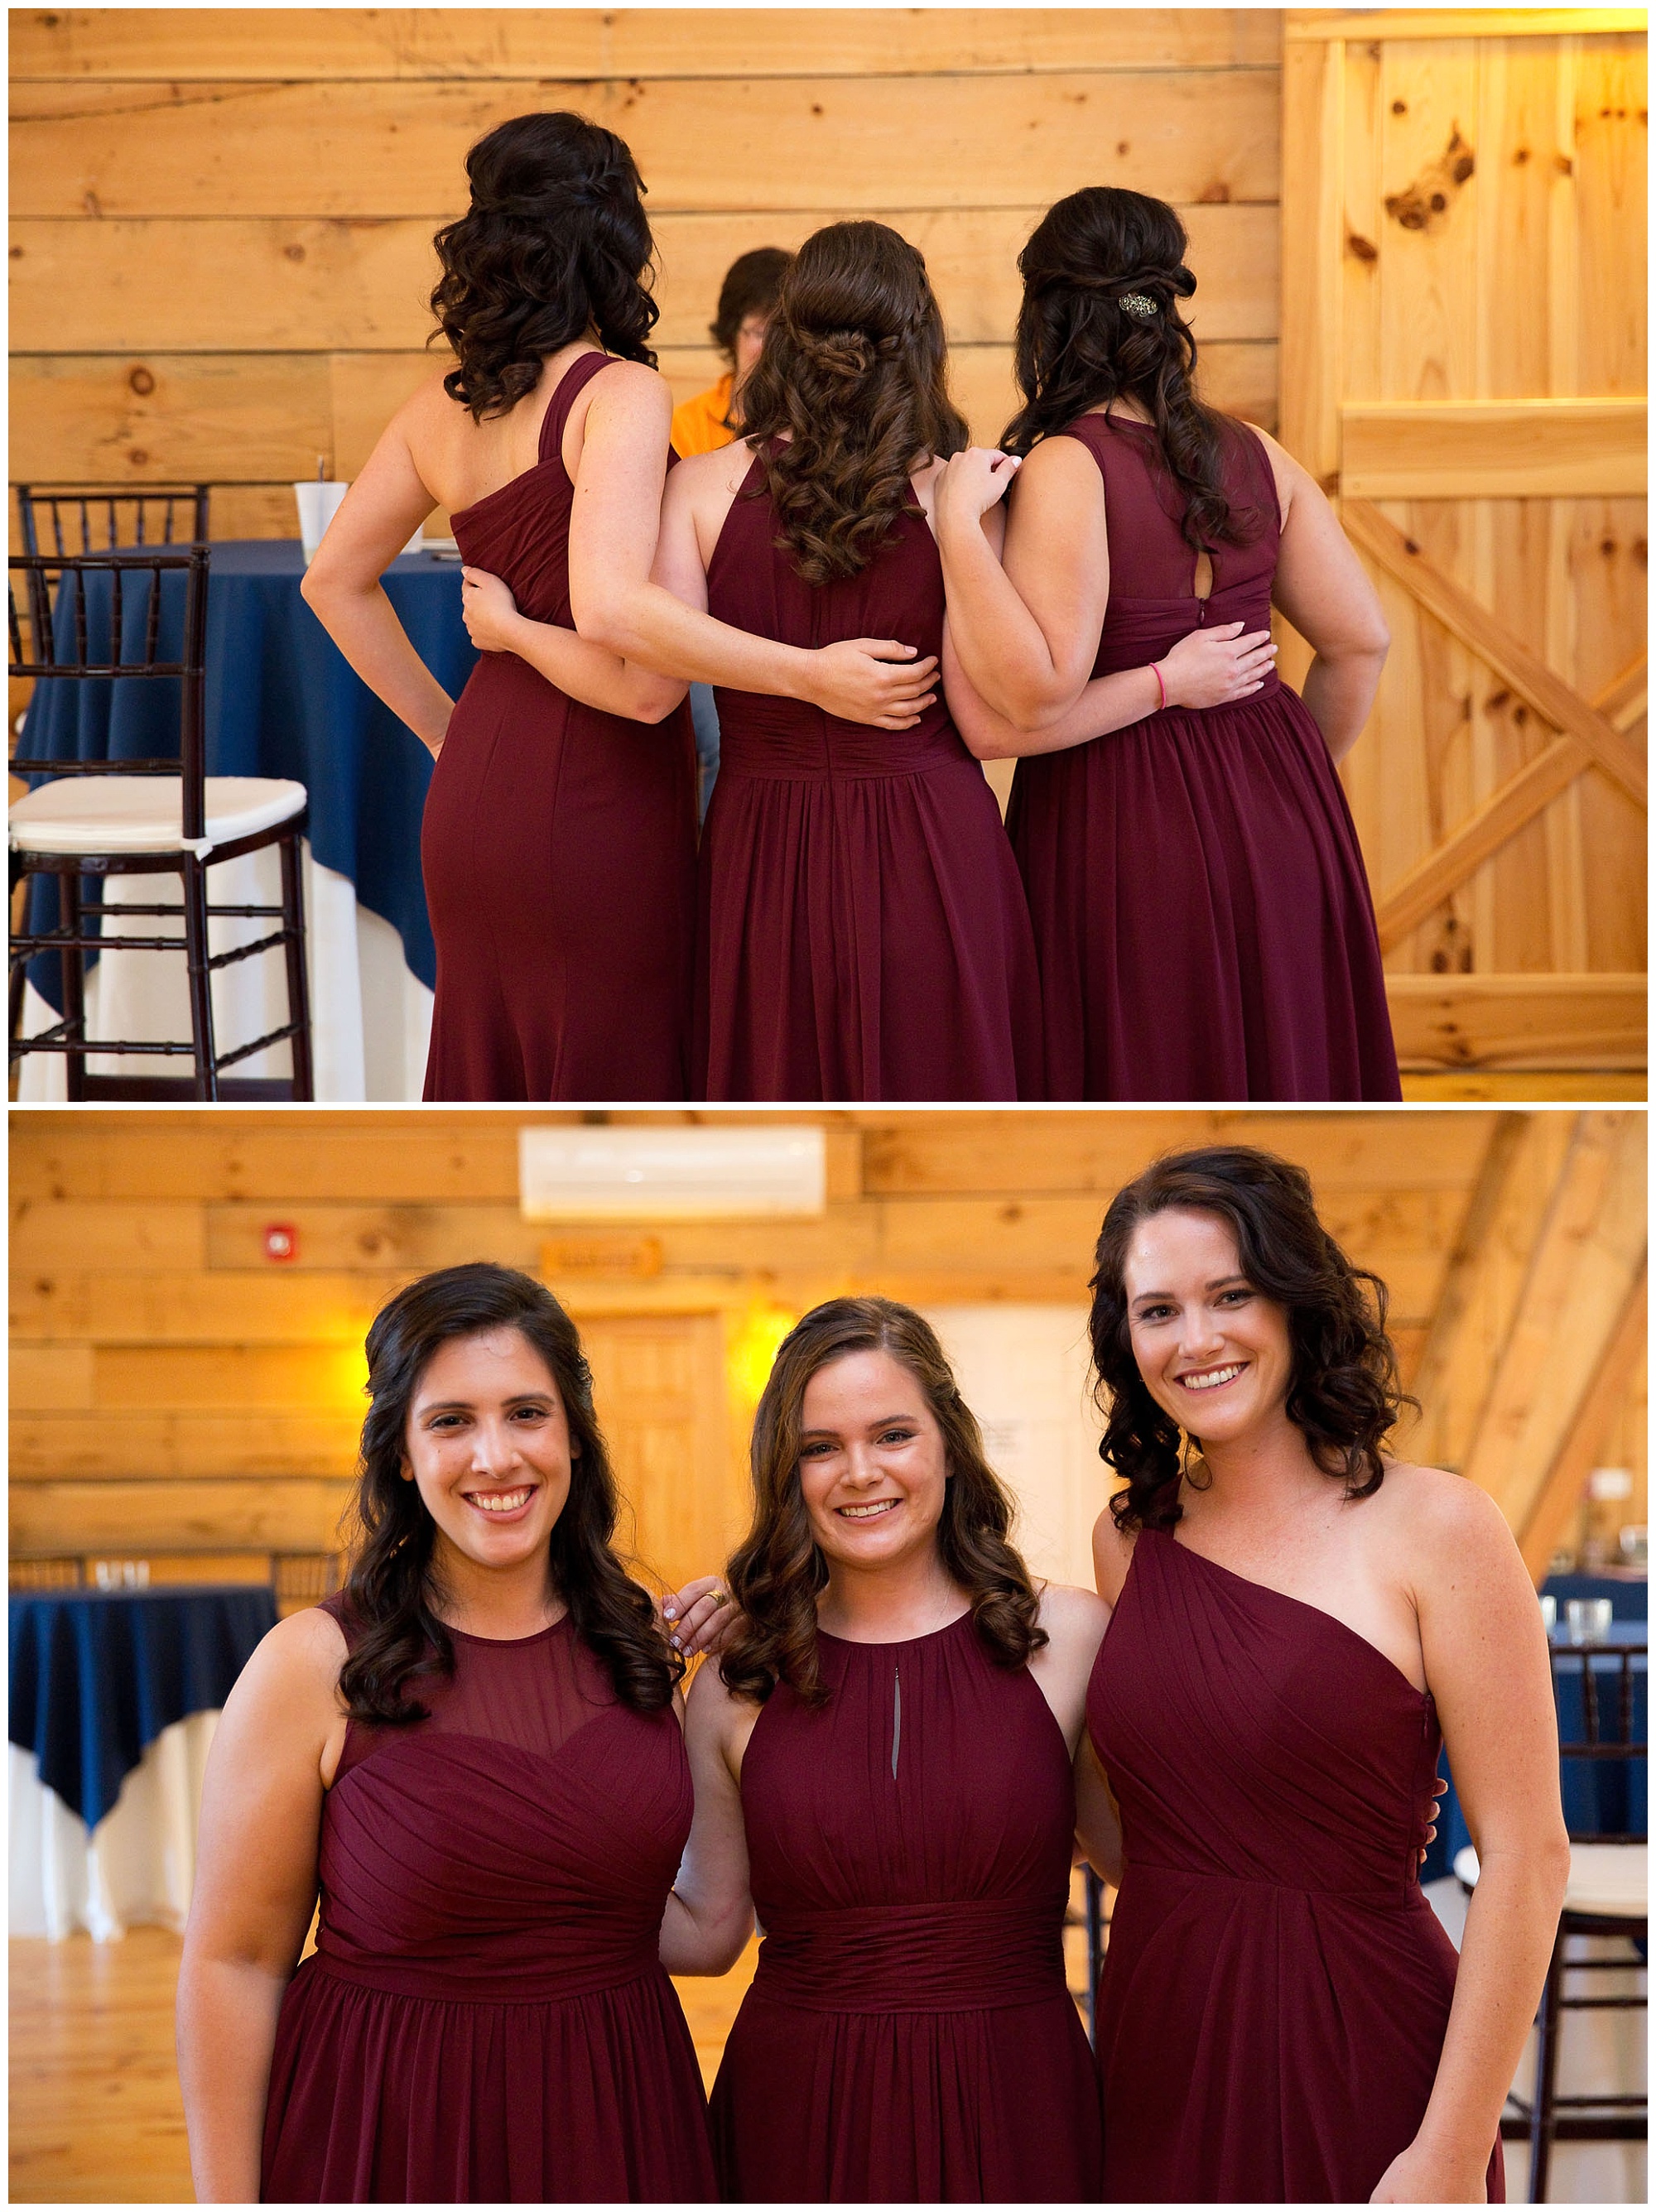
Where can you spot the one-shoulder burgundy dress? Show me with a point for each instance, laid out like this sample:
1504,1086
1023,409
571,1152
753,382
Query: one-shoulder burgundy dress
1276,1988
558,846
484,2017
862,932
1200,910
908,2035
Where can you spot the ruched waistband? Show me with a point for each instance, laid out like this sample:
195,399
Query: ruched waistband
489,1975
1401,1896
778,739
970,1957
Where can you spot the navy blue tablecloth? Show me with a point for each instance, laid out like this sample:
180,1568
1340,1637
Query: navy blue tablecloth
280,701
96,1676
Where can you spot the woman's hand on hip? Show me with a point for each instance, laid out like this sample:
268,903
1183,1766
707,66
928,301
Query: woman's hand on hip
1416,2176
1215,667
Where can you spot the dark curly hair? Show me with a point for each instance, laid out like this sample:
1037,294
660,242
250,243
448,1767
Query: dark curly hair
1343,1394
778,1573
554,244
1078,346
853,376
390,1590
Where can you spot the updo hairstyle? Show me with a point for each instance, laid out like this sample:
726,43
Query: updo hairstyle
1104,274
853,376
554,248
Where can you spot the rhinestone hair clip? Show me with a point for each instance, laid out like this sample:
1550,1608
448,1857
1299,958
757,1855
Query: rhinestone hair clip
1137,303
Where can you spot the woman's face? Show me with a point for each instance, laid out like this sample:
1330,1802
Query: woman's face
488,1444
1213,1352
749,344
872,1462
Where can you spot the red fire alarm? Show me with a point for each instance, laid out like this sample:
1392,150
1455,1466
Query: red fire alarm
281,1241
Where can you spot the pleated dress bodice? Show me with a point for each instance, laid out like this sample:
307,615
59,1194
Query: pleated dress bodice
485,2015
1276,1987
909,2033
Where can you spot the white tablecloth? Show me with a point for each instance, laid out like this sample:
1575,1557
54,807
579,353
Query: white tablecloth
136,1868
370,1017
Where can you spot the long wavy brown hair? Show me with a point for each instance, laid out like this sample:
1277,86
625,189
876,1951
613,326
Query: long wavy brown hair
779,1572
554,247
392,1591
1344,1394
1078,346
854,379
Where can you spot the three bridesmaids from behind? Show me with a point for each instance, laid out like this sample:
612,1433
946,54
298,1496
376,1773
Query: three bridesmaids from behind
1299,1622
473,1753
1201,911
885,1767
558,845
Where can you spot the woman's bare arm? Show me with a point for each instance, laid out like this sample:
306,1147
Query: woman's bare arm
1027,625
1486,1666
618,604
255,1892
377,517
710,1915
1324,591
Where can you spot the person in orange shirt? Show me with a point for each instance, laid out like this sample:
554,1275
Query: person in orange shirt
746,299
708,420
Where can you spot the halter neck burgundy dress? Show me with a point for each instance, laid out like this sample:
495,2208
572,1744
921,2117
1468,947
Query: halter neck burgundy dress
909,2036
486,2019
1200,911
558,846
862,932
1275,1991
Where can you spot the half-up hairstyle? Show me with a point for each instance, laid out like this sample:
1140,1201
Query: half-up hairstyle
777,1574
554,247
1103,276
854,377
390,1591
1344,1395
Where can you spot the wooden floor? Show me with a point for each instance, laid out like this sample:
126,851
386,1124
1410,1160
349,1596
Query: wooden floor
95,2112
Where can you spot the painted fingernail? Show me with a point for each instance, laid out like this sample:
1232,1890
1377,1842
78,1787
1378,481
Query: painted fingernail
670,1613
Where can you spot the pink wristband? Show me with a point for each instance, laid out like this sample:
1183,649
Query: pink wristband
1160,686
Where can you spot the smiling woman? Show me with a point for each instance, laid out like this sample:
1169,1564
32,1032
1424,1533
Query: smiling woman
1300,1621
885,1765
473,1754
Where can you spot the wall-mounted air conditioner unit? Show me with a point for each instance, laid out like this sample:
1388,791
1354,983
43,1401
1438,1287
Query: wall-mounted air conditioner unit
757,1171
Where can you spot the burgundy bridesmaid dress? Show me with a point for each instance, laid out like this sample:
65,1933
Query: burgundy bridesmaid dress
909,2036
862,932
486,2019
1276,1988
558,846
1200,911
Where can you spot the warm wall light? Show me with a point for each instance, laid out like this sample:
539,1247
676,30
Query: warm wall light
750,1349
756,1171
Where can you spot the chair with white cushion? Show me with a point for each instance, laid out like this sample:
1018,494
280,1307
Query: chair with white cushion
1607,1895
99,619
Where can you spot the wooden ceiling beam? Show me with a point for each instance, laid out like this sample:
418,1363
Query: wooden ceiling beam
1584,1261
1561,1493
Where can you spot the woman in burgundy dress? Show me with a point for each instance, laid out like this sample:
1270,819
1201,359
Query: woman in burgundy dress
883,1768
473,1754
559,838
1201,913
1299,1623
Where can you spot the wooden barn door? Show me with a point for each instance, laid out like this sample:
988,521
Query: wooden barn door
1462,367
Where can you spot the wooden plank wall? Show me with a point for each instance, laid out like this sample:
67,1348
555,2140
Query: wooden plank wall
1465,368
220,218
173,1388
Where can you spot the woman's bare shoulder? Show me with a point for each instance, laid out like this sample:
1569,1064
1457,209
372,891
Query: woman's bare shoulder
1112,1555
303,1653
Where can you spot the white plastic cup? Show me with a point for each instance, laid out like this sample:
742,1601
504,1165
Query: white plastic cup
319,502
